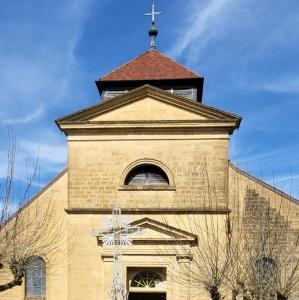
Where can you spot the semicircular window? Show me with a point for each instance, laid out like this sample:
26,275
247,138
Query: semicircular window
147,175
147,279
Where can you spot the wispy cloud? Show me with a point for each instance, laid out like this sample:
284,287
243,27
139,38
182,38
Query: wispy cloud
51,153
245,156
283,179
287,84
240,46
46,62
202,22
38,63
288,183
47,155
27,118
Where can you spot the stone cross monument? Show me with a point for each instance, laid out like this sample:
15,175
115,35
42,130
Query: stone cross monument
117,233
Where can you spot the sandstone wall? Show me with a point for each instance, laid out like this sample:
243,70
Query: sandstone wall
196,164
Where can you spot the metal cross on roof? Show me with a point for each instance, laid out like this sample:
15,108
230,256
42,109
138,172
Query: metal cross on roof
117,233
153,32
153,13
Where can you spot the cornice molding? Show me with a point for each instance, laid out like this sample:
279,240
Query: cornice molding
165,126
154,210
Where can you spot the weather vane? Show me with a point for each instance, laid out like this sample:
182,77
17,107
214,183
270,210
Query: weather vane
153,32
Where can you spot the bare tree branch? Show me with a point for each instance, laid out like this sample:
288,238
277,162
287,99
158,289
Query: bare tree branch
27,229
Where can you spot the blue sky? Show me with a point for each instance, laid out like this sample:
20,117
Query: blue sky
51,52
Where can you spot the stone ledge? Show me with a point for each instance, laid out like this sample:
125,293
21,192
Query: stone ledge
147,188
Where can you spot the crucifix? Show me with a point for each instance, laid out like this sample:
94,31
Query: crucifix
117,233
153,32
153,13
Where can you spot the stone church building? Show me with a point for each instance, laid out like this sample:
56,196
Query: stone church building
152,147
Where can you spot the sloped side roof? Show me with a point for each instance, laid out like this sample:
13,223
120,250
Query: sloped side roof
264,184
151,65
38,194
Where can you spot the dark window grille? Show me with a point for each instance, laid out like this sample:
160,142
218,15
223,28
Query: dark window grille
107,95
147,175
186,93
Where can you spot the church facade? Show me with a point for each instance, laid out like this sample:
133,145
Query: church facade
155,150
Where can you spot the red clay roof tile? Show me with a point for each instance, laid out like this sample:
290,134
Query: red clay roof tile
151,65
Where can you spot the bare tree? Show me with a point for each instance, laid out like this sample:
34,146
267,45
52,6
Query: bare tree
27,229
208,220
245,245
209,261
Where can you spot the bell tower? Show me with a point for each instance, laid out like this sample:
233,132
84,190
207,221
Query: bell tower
153,68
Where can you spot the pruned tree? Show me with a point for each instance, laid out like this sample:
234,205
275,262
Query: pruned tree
245,245
27,229
208,257
208,220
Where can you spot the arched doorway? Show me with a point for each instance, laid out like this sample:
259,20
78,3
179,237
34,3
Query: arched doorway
147,284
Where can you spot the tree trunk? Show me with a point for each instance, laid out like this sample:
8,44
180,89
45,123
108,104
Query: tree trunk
281,297
234,295
11,284
18,271
214,293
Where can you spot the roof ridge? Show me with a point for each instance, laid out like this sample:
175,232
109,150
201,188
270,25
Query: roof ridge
121,66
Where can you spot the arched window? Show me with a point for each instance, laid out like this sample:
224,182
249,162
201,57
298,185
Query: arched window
35,278
266,267
147,175
147,279
266,274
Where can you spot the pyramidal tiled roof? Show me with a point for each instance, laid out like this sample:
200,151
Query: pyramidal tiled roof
151,65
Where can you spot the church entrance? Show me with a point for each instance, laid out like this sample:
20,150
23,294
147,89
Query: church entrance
147,296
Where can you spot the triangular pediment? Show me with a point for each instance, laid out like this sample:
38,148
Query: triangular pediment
152,230
147,104
148,109
155,231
